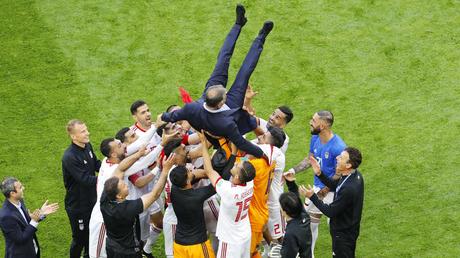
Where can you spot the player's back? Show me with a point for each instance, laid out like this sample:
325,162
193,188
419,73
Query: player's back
233,225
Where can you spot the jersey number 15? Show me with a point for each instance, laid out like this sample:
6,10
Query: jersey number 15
243,207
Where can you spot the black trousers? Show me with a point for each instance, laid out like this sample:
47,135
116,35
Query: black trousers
79,222
343,245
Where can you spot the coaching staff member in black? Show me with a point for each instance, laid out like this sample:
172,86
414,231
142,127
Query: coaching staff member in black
345,211
79,165
120,215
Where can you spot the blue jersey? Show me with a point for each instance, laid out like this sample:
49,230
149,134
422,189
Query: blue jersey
326,155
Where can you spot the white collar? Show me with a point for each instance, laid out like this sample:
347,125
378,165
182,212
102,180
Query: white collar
17,206
223,108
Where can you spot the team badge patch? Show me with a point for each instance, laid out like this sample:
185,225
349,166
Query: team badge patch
326,155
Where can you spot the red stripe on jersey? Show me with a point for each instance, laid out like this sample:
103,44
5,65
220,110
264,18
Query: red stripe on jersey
217,181
138,127
213,209
283,223
185,139
133,178
224,250
100,240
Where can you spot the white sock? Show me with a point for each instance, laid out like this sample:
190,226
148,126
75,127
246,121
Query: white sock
154,233
314,236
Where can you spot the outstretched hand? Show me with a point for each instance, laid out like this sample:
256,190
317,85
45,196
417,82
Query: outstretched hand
47,209
306,191
143,150
315,165
250,93
165,138
159,122
289,176
168,162
35,216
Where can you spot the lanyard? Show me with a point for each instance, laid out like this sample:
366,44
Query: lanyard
337,189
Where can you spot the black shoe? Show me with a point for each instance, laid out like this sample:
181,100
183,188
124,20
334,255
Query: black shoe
147,255
240,19
268,26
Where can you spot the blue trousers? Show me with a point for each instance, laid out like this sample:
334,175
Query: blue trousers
235,95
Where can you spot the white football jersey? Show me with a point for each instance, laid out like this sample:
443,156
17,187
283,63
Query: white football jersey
233,225
277,185
96,223
137,129
105,172
170,215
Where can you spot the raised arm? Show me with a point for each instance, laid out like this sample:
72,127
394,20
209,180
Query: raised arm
230,162
149,198
177,115
145,138
141,141
244,144
336,207
302,165
126,163
150,158
329,182
212,174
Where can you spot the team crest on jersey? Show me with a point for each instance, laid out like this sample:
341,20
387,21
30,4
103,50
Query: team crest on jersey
84,161
326,155
90,154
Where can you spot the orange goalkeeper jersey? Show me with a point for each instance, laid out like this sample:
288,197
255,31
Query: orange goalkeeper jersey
258,209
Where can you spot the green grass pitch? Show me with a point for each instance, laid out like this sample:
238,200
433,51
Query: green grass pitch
389,70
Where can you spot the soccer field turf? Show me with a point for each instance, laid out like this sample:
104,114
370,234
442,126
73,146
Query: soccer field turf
389,71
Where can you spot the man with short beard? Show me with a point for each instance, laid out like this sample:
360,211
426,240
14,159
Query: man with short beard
325,146
142,115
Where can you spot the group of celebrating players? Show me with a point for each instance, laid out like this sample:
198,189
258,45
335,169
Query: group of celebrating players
158,176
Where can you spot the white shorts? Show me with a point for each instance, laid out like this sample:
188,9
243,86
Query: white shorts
169,231
211,214
240,250
276,222
97,240
311,208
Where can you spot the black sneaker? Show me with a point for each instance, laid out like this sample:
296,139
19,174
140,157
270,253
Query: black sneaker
268,26
240,18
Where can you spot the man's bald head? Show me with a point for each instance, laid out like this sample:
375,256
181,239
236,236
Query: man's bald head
215,95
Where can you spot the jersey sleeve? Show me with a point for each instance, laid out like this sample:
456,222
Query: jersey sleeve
223,187
133,178
280,162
